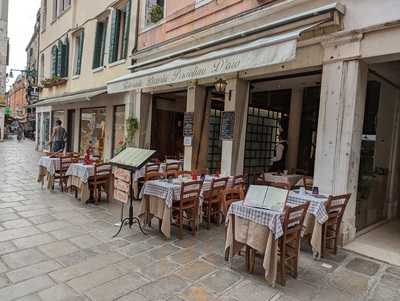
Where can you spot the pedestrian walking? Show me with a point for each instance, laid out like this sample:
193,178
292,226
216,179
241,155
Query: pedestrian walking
58,137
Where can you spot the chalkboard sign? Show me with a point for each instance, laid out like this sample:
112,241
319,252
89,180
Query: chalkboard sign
188,124
227,125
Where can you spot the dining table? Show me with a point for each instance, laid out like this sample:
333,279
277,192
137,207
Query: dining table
48,166
261,229
78,177
158,195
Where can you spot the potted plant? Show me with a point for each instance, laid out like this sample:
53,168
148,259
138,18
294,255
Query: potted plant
156,13
132,125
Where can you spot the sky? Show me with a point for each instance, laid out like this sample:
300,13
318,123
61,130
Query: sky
21,20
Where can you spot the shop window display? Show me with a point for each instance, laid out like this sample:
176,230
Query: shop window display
92,130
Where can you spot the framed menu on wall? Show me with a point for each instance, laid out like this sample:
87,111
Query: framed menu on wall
188,124
266,197
227,125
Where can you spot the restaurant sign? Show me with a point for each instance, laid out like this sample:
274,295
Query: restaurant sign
263,52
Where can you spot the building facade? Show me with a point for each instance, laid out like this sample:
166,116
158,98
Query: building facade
17,98
84,44
3,61
321,70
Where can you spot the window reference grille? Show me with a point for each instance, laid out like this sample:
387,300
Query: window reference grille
214,141
261,138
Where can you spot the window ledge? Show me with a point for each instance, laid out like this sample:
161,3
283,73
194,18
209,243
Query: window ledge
117,63
98,69
76,76
148,27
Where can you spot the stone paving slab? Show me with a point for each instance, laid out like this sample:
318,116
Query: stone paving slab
52,247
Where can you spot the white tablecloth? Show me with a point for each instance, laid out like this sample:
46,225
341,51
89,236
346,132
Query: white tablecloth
170,190
292,180
51,164
268,218
317,204
81,171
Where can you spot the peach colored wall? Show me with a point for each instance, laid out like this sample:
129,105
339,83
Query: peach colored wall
182,18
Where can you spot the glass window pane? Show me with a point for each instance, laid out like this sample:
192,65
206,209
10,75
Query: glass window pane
92,128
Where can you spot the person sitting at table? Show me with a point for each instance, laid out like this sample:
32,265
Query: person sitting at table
279,160
58,137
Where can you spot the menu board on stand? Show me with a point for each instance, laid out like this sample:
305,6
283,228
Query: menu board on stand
125,164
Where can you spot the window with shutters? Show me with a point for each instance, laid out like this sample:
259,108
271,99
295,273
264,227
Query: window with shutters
78,53
60,58
54,60
100,43
44,15
55,9
155,10
119,32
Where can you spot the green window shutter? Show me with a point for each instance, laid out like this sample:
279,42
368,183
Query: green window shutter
103,43
97,45
115,20
54,58
66,58
80,53
60,59
127,27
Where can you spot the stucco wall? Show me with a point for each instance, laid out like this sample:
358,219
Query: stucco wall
82,16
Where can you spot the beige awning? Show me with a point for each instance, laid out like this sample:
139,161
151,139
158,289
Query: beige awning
263,52
71,98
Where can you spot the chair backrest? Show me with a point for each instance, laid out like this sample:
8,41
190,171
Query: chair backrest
218,185
308,182
279,185
102,171
190,191
172,169
336,205
294,219
66,161
150,167
170,157
238,182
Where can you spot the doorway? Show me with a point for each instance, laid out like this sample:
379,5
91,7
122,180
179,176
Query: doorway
167,124
71,130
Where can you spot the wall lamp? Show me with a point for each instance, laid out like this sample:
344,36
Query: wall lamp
220,87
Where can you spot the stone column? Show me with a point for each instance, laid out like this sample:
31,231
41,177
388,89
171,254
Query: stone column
233,150
340,125
139,105
296,107
195,156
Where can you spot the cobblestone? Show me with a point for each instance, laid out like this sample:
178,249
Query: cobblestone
52,247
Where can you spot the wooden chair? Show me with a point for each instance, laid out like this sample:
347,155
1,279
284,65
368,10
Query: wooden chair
308,182
172,170
288,243
101,179
212,199
229,196
151,172
335,207
65,163
188,204
239,182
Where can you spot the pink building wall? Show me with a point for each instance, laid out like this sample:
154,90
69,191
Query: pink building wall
182,17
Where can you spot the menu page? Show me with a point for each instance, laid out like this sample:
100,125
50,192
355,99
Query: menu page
266,197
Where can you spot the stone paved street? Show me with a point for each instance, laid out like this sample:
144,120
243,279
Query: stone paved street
53,248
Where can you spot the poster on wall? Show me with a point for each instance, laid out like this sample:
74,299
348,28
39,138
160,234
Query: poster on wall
227,125
188,124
